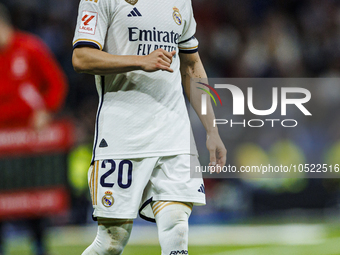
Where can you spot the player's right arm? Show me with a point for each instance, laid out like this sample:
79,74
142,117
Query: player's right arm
94,19
94,61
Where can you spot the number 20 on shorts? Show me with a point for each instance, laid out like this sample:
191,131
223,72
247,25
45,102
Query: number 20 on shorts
121,172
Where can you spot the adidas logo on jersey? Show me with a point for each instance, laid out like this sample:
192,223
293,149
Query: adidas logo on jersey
201,189
135,13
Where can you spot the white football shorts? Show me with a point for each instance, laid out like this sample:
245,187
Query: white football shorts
122,188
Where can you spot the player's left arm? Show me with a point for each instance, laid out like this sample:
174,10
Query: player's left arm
192,67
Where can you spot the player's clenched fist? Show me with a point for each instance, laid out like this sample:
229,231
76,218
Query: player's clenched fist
159,59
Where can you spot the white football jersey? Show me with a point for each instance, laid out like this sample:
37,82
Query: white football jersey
140,114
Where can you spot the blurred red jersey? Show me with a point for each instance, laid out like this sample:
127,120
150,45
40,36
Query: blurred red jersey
30,80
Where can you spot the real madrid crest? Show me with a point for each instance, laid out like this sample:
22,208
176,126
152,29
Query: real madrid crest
107,199
133,2
177,16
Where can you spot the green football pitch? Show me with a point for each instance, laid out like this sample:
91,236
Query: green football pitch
314,239
201,250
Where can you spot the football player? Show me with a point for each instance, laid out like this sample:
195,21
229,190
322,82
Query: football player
141,52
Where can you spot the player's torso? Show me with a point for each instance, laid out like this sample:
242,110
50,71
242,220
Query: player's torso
140,27
141,114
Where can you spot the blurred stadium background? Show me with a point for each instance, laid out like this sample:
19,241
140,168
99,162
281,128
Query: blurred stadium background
238,38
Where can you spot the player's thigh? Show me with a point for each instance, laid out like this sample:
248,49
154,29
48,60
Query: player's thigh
171,180
117,186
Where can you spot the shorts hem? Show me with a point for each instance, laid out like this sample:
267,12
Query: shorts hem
110,215
198,201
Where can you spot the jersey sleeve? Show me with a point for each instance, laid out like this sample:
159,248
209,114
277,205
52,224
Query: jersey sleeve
92,23
188,42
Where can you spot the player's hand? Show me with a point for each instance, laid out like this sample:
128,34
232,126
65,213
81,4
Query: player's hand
159,59
218,153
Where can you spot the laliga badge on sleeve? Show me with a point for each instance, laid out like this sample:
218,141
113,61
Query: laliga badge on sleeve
88,22
133,2
108,199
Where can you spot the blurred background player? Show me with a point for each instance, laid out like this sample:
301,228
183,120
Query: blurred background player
32,83
32,88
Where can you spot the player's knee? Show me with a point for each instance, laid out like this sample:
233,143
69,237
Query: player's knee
180,230
107,246
111,237
113,249
104,247
177,223
180,225
115,244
